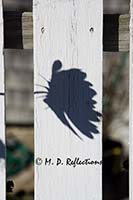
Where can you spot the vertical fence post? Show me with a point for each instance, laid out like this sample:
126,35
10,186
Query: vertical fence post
131,106
2,112
68,99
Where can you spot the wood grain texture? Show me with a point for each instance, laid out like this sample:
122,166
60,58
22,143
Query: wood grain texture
27,30
131,106
69,31
19,86
2,112
19,31
124,33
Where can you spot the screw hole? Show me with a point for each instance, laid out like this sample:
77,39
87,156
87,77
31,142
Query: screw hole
91,29
42,29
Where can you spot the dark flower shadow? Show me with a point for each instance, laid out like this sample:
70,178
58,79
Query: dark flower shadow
69,94
2,150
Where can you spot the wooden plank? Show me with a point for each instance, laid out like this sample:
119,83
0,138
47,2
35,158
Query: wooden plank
68,124
2,112
124,33
18,30
116,33
19,87
19,34
27,30
131,106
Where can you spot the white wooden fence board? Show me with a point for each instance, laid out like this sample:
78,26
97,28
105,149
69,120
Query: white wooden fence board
131,106
69,31
2,117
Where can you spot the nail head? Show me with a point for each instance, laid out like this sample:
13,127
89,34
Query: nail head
42,29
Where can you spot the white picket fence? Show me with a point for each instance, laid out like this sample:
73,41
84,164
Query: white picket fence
68,51
71,32
2,111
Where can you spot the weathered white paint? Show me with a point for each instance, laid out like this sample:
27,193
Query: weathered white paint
62,30
131,106
2,111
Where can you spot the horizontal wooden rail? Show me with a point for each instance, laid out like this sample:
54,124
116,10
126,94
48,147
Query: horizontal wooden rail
116,33
19,31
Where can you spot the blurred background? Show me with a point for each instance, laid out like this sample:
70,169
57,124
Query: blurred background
20,115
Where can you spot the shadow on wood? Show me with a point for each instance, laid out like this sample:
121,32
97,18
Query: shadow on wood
13,30
70,97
